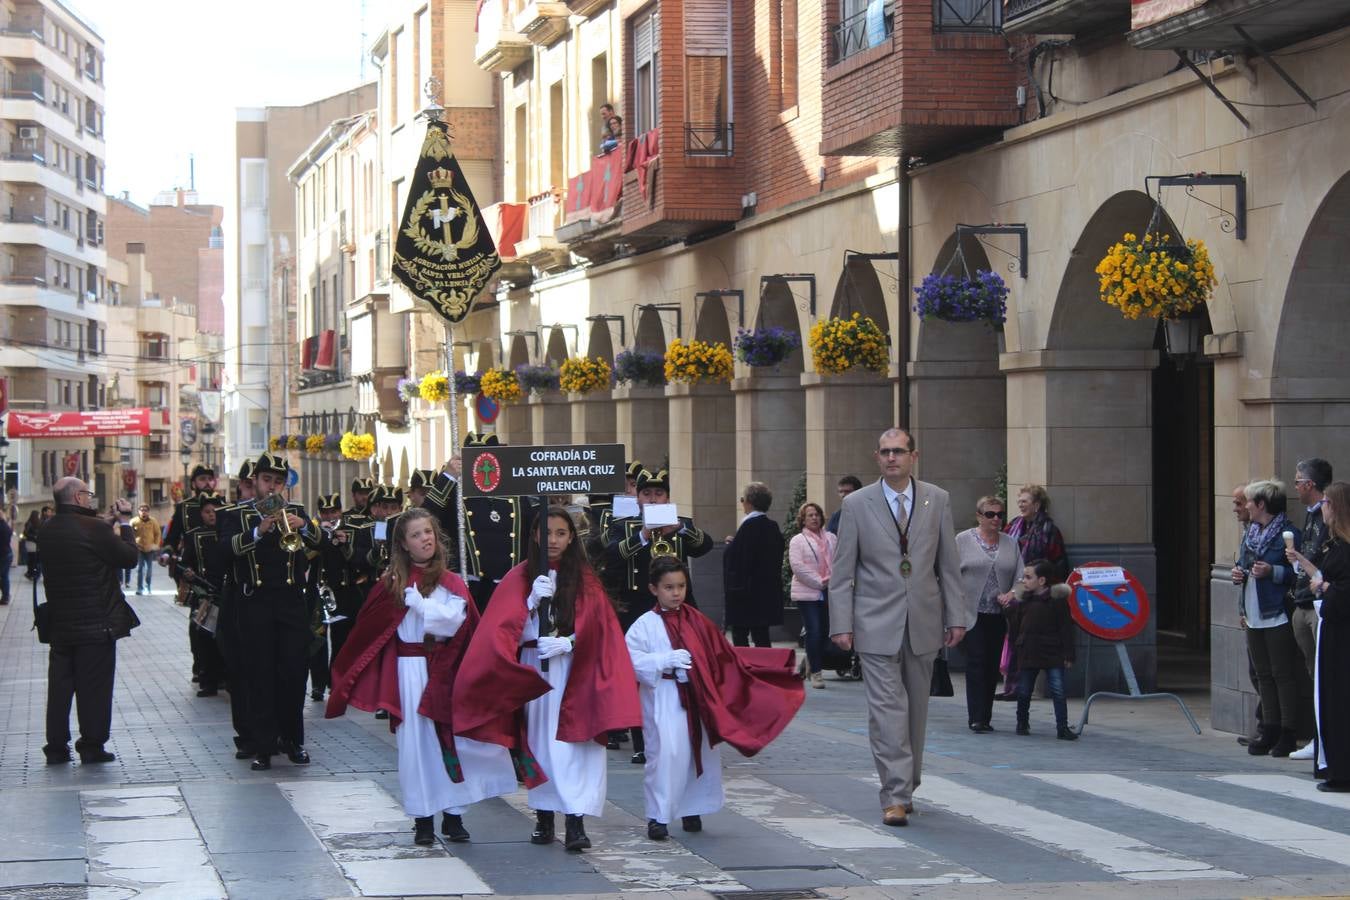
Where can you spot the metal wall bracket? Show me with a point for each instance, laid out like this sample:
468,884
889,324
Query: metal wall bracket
719,294
1270,61
607,319
1203,179
1017,228
660,308
810,281
534,333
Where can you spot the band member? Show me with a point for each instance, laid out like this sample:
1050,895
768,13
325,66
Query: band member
184,517
420,483
361,491
270,547
244,490
602,512
228,635
203,573
548,676
403,657
386,503
344,548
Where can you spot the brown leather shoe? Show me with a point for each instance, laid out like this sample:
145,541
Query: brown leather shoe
894,815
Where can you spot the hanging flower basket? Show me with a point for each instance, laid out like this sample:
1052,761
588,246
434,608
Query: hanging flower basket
644,368
332,442
501,385
697,361
468,383
839,344
293,441
359,447
762,347
408,389
537,378
958,298
1156,276
585,375
314,443
276,443
434,387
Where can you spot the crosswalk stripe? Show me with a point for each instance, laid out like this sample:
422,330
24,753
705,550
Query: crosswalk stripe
1286,834
1287,786
1118,854
391,866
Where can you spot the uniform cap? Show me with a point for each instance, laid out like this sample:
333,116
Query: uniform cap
648,479
271,462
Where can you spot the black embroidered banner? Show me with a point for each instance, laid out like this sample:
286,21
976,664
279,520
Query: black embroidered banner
444,253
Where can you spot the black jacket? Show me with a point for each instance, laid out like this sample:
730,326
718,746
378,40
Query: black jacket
82,559
1045,629
752,574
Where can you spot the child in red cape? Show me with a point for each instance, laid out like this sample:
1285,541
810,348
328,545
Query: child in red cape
548,676
698,691
402,656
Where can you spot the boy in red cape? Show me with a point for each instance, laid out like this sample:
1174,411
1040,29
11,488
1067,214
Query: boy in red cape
698,691
548,676
402,656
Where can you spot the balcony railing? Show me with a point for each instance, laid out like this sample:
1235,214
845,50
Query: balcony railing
36,280
25,156
861,31
1014,8
543,214
18,218
970,16
708,139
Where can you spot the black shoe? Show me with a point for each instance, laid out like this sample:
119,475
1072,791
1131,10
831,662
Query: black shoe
261,763
612,743
691,824
244,753
298,756
381,714
657,831
1065,733
1334,787
620,736
316,695
1287,743
639,758
1244,741
574,836
97,756
424,831
57,755
453,828
194,677
543,828
1262,744
1023,728
981,727
207,692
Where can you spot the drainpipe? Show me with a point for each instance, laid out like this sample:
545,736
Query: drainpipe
902,290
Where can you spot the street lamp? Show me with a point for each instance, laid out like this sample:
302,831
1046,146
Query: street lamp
185,454
208,441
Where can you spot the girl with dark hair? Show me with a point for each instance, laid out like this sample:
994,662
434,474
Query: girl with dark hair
402,656
1045,634
548,676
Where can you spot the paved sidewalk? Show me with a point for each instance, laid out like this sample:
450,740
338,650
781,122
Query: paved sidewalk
1140,802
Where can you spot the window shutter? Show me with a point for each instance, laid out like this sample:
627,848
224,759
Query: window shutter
707,27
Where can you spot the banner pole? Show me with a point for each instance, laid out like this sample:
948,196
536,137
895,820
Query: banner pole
454,444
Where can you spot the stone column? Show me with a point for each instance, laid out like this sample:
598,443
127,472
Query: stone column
703,455
844,416
592,418
642,422
513,423
770,434
550,418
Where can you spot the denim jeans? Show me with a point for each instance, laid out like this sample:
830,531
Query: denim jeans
6,561
813,620
1054,681
145,569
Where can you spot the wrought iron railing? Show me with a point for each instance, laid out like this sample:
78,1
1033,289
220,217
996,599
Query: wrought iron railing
1014,8
974,16
715,139
857,33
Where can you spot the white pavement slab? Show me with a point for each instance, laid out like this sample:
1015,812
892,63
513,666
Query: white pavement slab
1288,786
436,876
144,839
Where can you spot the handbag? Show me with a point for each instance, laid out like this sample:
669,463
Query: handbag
42,621
941,685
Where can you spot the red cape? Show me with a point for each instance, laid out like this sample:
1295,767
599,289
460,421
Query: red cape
493,685
365,673
745,696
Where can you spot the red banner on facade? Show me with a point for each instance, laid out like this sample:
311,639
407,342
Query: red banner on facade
98,423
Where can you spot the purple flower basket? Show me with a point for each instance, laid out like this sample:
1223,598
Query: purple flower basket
955,298
761,347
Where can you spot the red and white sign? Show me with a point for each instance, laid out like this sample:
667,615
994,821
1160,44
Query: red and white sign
98,423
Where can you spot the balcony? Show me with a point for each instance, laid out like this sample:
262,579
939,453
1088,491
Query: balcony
540,247
542,23
499,47
890,90
587,7
1066,16
591,203
708,139
1236,24
671,194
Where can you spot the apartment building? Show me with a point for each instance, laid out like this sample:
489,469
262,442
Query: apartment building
53,282
261,296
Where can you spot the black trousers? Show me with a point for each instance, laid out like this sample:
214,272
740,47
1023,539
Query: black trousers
742,635
274,652
983,645
231,653
83,672
319,676
1275,655
207,662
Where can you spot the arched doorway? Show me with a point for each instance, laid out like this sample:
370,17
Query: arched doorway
958,396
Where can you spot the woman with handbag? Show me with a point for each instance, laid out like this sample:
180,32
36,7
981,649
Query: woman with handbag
809,555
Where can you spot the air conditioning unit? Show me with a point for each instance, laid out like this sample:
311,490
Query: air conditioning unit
28,133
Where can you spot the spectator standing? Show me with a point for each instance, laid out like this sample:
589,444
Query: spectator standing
6,556
847,485
990,563
88,614
122,525
1310,479
30,532
607,139
1037,537
147,532
1265,575
1044,643
752,571
809,555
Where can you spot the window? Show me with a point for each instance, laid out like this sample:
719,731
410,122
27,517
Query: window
980,16
522,155
555,136
646,73
255,267
707,131
394,81
254,189
257,432
787,54
864,24
403,76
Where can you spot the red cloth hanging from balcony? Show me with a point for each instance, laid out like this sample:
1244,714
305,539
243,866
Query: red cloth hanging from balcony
506,222
307,347
326,358
644,151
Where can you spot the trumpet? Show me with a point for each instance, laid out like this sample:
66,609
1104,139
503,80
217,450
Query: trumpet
273,506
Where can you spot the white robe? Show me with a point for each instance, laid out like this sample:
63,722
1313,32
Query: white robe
578,774
422,776
672,787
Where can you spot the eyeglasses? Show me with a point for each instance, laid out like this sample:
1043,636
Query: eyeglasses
1302,481
90,494
893,451
992,514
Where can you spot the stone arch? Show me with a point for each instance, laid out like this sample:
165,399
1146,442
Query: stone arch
556,350
859,290
600,344
650,333
778,309
520,352
712,324
487,354
385,474
404,469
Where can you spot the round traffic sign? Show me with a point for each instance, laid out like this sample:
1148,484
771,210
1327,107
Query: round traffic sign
1107,601
487,408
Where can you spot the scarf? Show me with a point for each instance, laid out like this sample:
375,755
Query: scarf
1259,537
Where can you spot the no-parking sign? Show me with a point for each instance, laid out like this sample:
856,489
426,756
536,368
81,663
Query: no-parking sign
1107,601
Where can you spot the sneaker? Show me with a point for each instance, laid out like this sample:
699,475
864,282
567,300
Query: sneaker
817,680
1307,752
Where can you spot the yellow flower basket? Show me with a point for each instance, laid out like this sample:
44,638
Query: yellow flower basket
839,344
501,385
1153,276
584,375
357,446
293,442
434,387
697,361
314,443
274,444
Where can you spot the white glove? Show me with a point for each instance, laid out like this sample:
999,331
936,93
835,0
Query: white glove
550,647
678,659
412,597
544,586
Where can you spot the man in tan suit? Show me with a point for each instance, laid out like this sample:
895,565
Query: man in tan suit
896,598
